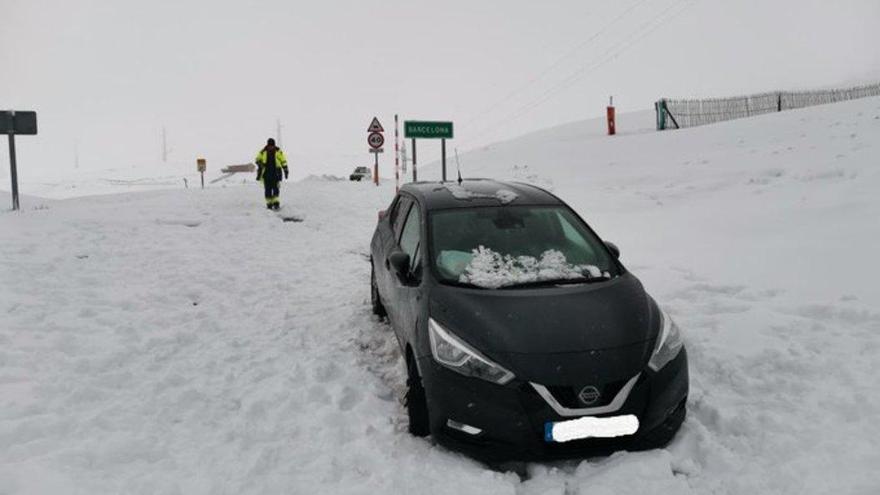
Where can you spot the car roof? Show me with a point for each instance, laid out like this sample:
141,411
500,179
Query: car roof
477,192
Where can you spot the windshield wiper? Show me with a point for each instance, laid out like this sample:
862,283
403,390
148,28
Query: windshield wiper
467,285
556,281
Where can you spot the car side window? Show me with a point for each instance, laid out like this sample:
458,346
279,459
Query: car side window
410,238
399,215
392,209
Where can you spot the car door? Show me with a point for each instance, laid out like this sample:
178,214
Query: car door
407,292
389,232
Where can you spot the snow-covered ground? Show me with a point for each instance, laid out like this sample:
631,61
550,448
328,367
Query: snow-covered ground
188,341
71,183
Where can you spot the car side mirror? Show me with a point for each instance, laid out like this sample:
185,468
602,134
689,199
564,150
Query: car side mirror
382,214
613,248
398,261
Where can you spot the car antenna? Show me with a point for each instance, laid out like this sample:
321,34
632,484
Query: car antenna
457,166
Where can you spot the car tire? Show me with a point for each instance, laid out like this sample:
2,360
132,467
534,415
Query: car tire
375,300
416,401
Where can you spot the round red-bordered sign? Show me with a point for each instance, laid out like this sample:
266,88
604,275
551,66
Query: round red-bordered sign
375,140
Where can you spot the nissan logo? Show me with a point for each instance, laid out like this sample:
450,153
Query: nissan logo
589,395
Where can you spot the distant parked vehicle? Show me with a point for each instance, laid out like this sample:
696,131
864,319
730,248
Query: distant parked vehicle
361,173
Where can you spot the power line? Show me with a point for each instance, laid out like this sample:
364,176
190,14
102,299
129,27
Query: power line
555,64
622,46
640,33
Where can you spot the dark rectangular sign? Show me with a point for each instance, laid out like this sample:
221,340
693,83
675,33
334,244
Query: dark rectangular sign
20,123
427,130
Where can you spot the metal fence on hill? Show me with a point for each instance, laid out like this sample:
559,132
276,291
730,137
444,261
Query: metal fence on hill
675,114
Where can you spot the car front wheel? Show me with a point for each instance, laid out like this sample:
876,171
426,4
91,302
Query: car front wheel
416,402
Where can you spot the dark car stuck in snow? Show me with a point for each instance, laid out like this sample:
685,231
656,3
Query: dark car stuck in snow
524,336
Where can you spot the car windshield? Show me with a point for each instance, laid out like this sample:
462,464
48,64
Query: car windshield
516,246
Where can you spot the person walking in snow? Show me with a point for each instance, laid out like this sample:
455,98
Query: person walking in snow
270,164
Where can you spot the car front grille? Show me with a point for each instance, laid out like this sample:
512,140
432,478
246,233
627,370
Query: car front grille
567,395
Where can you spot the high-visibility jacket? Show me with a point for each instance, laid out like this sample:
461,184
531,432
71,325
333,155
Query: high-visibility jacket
271,164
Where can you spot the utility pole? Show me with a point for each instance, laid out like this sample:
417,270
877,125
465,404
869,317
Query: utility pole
164,146
278,132
457,166
76,154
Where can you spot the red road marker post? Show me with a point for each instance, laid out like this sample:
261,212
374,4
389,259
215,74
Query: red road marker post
609,113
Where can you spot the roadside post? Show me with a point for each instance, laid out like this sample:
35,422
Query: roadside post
415,174
403,160
609,113
396,156
443,157
376,139
14,122
414,129
201,166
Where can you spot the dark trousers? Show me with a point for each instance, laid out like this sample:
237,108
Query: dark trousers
272,192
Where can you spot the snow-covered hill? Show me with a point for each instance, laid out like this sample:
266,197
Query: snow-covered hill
786,200
188,341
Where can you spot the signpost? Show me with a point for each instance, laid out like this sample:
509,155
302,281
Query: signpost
376,140
201,166
414,129
396,155
13,122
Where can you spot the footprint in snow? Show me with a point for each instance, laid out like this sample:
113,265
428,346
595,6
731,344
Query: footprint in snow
185,223
349,398
327,372
317,394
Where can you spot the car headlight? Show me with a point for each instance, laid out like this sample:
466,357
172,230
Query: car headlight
669,343
454,354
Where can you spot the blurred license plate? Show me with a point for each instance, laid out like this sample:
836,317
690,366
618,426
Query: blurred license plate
590,427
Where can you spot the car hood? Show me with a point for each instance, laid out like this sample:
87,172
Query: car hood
606,328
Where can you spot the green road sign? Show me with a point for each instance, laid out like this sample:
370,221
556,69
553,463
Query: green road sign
427,130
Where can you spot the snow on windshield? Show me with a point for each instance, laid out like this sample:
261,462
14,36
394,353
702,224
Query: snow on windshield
492,270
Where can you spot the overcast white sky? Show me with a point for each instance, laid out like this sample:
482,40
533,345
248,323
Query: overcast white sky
105,76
